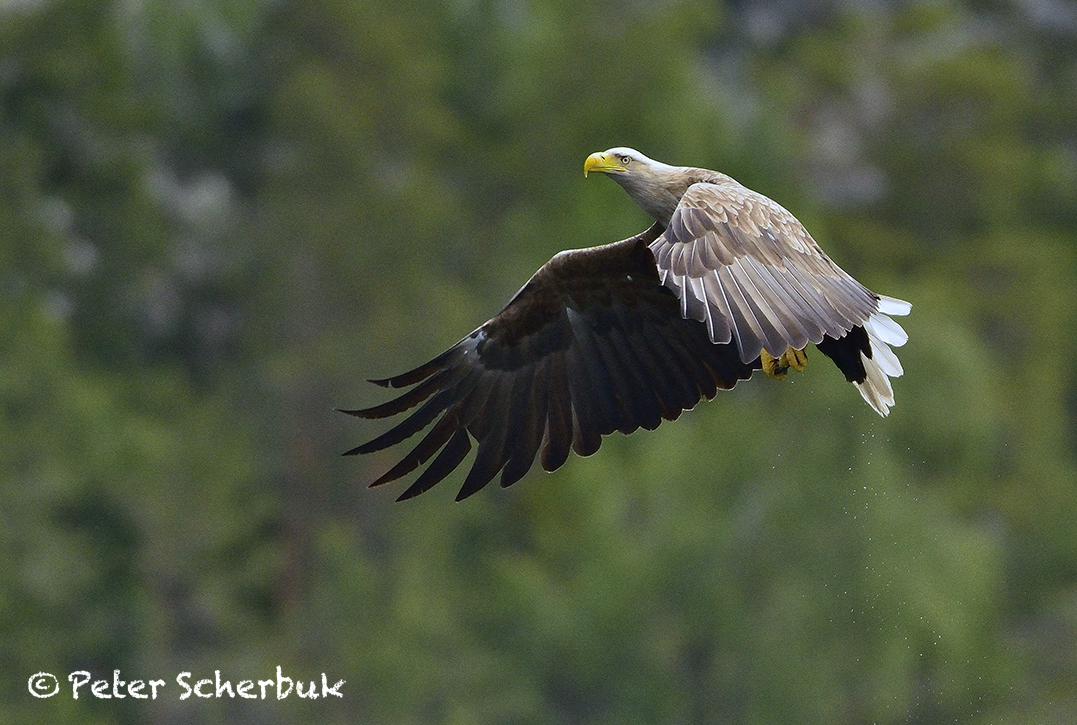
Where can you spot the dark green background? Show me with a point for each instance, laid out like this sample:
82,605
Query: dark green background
218,218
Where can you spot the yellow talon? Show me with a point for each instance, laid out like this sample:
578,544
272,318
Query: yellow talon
772,366
795,359
778,367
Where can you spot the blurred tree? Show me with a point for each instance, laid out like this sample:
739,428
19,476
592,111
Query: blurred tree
135,534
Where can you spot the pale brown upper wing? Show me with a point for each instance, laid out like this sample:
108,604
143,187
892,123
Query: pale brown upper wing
744,266
593,343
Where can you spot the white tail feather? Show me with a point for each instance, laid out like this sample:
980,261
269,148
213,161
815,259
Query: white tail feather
883,363
886,330
893,306
888,362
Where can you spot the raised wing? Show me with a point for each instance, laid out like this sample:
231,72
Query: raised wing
592,344
745,267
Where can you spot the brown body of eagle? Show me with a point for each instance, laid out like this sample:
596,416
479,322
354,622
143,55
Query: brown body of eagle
626,335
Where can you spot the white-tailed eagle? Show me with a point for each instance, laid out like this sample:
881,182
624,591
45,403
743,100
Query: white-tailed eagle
626,335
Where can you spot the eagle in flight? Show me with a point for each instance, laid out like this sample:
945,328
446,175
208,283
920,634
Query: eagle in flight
625,335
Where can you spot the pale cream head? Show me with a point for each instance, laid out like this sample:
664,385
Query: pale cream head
655,186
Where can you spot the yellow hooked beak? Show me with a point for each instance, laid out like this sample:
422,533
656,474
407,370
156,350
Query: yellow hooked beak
601,163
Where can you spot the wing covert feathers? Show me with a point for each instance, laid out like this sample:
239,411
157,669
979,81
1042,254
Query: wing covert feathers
744,266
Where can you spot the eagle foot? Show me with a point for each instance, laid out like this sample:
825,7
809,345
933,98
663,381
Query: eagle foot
777,367
796,359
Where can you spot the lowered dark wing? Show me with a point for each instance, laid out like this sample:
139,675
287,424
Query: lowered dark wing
592,344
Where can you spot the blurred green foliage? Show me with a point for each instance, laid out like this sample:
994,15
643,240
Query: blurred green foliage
218,218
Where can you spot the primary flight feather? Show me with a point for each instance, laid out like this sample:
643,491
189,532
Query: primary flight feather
625,335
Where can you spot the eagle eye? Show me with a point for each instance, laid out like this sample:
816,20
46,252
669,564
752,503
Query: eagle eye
626,160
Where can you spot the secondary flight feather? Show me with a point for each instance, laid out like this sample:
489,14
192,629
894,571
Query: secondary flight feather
625,335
